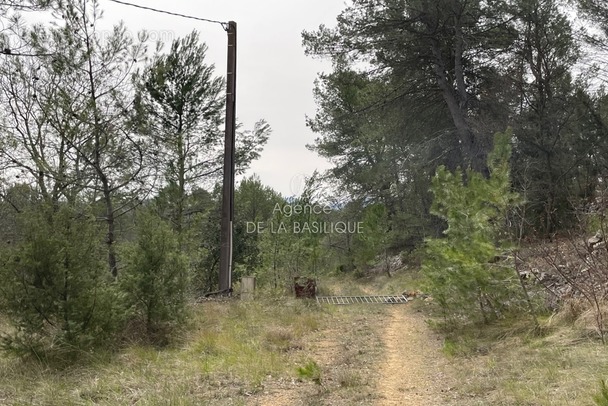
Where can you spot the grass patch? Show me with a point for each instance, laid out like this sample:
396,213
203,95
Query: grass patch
509,363
349,378
226,356
601,399
310,371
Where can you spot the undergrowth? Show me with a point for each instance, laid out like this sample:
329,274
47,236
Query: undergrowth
513,362
228,352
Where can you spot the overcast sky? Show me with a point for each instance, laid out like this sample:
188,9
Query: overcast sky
274,78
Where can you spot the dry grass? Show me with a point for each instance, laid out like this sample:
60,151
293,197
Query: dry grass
225,360
508,364
348,352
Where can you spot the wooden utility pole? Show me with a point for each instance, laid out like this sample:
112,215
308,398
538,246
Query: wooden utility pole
225,281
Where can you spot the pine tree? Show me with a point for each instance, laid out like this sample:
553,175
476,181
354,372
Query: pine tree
55,289
155,278
461,269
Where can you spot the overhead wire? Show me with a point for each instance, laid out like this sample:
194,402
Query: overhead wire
207,20
225,25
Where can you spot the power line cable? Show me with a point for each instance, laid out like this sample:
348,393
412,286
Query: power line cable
207,20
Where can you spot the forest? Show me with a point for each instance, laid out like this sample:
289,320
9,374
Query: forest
468,142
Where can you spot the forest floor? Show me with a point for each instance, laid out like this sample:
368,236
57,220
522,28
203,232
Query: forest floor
286,352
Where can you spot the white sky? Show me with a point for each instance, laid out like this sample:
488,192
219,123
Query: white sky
274,77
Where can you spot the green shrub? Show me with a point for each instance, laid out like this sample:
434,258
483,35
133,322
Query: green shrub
155,277
56,288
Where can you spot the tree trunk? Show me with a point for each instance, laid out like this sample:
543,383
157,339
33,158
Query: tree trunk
97,158
107,194
474,152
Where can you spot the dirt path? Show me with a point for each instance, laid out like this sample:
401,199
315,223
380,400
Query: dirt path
412,371
380,356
